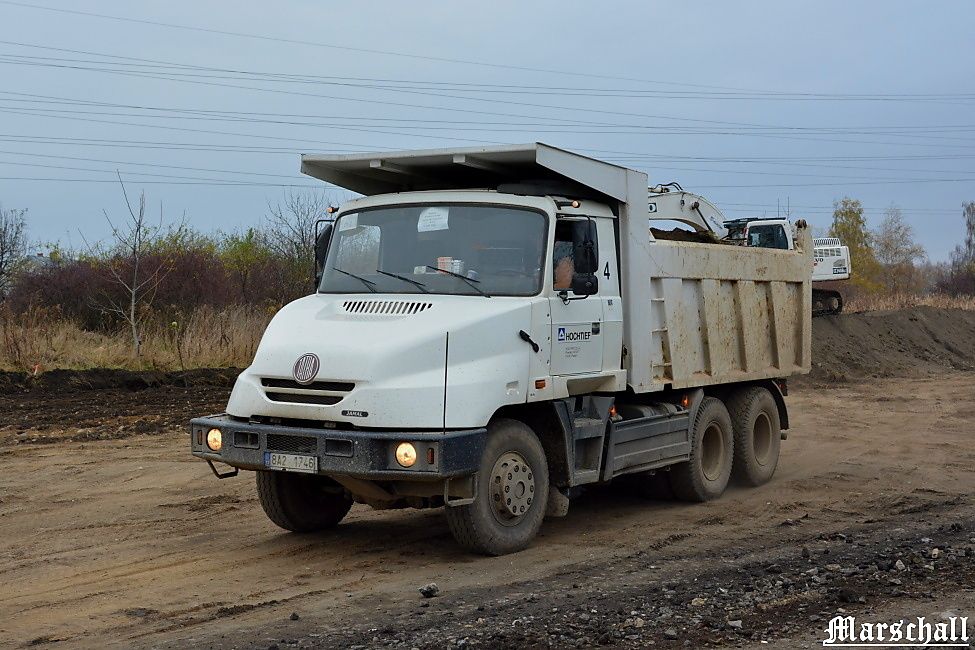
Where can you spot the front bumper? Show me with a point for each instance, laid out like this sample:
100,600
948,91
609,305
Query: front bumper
358,453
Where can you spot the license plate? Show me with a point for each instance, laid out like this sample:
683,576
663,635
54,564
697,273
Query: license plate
291,462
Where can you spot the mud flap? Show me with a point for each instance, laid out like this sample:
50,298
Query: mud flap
558,503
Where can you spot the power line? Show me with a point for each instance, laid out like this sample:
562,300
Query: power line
741,125
174,182
157,65
280,118
899,182
291,41
138,164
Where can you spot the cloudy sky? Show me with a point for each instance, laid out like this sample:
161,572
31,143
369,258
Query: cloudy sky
207,105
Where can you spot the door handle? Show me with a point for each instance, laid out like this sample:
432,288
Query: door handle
528,339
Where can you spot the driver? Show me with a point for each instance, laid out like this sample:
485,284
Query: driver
564,266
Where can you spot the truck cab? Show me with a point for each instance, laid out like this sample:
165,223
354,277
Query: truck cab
761,233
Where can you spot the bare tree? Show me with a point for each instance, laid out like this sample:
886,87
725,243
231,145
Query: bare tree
13,246
898,252
131,268
291,225
966,253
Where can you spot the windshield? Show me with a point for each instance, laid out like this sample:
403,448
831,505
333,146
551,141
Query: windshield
446,249
768,236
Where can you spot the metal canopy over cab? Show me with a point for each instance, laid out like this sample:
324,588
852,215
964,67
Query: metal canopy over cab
479,167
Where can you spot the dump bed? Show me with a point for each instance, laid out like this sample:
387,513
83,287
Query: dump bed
694,314
722,313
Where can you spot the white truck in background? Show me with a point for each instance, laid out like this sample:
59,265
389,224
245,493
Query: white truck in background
494,329
831,259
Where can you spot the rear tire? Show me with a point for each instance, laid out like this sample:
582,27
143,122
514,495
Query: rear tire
758,435
302,503
511,493
705,475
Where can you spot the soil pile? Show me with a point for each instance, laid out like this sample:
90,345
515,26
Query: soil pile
921,341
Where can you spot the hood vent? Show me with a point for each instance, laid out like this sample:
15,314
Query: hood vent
386,307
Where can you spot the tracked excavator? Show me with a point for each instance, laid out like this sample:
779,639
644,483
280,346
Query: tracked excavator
831,259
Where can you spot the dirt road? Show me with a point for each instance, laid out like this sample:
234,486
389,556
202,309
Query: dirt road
133,542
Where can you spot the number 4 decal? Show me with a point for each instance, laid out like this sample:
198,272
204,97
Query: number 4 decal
606,270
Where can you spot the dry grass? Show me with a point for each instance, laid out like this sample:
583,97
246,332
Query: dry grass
40,340
869,302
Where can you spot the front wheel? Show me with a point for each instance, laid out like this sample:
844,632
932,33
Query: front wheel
511,493
302,503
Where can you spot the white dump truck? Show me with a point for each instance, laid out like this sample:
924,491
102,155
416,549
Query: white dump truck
495,328
831,259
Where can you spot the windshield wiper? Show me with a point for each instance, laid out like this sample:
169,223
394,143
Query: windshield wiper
466,279
369,283
419,285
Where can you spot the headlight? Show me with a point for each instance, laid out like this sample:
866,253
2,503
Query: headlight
406,454
214,439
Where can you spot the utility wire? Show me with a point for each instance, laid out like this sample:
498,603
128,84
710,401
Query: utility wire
157,65
348,48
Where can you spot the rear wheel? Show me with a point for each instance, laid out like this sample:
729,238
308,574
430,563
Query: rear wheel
302,503
511,493
758,435
705,475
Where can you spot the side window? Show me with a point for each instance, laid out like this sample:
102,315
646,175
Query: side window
783,240
569,234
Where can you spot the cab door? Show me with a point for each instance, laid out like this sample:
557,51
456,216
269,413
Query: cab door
577,321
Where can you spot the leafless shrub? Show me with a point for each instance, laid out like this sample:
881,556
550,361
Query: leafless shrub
13,246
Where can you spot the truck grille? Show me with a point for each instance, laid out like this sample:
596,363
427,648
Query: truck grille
292,398
386,307
334,386
296,444
319,393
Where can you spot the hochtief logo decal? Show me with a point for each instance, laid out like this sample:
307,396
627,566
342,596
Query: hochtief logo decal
565,336
847,632
306,368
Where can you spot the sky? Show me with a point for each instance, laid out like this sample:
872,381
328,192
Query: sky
758,106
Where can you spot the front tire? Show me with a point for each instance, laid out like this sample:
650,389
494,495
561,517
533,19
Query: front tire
302,503
705,475
511,493
758,435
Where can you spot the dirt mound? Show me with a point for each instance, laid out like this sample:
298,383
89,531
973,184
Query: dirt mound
114,379
920,341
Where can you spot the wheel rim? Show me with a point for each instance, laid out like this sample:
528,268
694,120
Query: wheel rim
712,448
512,488
762,438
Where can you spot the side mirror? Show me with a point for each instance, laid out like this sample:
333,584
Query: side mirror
321,250
584,252
585,284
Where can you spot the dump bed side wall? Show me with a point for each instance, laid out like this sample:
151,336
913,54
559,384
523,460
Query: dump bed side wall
722,314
